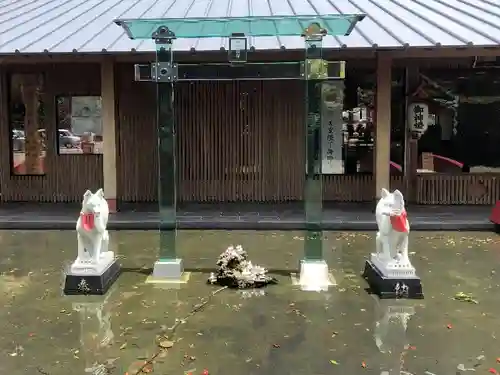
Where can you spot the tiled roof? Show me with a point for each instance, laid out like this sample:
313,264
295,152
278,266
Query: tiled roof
61,26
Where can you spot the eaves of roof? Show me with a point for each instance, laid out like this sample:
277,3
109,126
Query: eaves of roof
86,26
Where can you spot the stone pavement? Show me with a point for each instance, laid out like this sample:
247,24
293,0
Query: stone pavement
275,330
227,216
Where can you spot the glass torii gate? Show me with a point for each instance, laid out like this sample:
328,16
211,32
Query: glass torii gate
313,70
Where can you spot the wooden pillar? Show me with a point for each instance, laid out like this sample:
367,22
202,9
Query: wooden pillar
412,80
109,132
383,124
5,136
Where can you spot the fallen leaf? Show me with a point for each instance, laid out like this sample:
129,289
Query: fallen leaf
492,371
166,344
123,346
333,362
204,372
498,360
449,326
465,297
276,345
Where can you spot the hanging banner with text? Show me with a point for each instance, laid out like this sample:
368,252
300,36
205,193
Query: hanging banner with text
332,100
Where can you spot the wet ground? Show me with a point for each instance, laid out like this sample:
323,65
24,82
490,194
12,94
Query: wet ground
285,331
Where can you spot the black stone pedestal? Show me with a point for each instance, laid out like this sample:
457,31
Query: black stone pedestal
91,284
386,287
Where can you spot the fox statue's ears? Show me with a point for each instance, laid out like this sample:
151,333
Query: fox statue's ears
384,193
100,193
86,196
398,197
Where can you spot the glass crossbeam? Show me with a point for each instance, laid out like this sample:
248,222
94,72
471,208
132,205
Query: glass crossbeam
335,24
255,71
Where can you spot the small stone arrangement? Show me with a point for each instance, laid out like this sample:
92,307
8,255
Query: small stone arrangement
234,270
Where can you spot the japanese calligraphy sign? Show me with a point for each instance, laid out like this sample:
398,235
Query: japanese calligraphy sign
331,127
418,117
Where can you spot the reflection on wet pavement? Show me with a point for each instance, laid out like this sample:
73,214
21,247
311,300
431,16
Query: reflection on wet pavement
279,330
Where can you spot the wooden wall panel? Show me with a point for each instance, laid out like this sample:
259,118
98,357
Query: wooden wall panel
236,141
238,145
354,188
240,141
397,182
474,189
136,159
67,176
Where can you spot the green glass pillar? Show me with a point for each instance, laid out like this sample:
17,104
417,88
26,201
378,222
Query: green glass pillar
167,184
314,75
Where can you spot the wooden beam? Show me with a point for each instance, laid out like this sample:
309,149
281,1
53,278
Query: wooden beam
286,55
443,52
383,123
109,132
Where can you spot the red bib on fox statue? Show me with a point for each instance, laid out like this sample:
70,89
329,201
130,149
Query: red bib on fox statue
87,221
398,222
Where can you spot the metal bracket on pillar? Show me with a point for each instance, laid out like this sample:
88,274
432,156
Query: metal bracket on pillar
164,71
159,71
313,36
314,65
156,72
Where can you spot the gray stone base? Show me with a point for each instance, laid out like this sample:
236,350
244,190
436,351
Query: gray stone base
169,272
314,276
168,269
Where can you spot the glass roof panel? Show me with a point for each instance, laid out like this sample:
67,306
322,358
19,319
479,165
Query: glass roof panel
336,24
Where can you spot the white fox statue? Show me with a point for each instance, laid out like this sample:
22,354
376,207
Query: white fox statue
92,235
389,271
392,236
